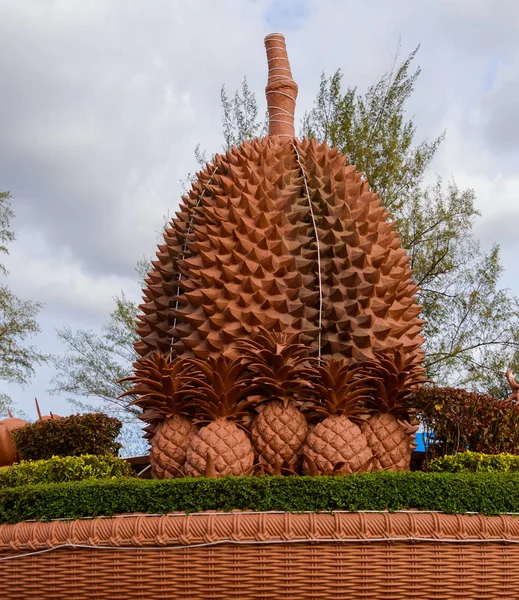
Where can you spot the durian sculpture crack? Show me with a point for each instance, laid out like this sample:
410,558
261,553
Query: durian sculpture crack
284,236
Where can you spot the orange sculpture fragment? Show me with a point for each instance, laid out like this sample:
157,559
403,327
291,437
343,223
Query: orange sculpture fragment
48,417
513,385
8,452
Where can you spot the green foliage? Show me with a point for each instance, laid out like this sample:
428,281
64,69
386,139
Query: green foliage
475,462
371,131
68,436
94,364
7,408
488,371
17,323
17,317
65,468
469,320
240,117
488,493
6,235
6,405
459,420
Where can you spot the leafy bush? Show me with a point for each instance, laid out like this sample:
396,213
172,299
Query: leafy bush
460,420
487,493
66,468
475,462
68,436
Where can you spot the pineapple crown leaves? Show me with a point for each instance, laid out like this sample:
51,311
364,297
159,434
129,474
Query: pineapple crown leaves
277,364
339,389
392,377
220,388
161,385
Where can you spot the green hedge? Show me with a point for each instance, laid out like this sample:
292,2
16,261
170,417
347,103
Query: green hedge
67,468
487,493
91,433
475,462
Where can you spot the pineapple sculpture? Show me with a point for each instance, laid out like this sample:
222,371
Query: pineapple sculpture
284,237
276,364
389,431
221,447
162,392
337,445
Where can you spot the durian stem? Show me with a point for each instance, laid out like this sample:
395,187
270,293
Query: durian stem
281,90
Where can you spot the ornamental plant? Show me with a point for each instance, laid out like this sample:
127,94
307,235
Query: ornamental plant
487,493
93,433
475,462
64,468
456,420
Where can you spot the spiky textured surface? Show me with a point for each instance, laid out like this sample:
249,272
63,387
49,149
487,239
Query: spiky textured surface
221,388
229,448
338,388
336,446
392,377
389,431
162,387
278,433
168,447
241,253
390,440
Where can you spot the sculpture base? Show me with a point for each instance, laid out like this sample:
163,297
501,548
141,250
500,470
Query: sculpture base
242,555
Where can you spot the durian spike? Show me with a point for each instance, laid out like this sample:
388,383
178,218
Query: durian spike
38,408
281,90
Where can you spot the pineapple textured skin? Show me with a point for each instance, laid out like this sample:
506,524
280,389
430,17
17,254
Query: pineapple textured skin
278,433
391,441
227,445
337,446
168,447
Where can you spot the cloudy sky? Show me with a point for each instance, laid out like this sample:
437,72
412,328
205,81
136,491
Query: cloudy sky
103,102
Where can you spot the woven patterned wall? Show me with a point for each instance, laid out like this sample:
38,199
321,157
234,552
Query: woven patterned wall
263,556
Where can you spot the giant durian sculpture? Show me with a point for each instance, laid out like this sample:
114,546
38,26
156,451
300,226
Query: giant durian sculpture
283,235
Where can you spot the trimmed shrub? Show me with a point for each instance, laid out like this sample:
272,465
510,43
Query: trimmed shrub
487,493
460,420
93,433
66,468
475,462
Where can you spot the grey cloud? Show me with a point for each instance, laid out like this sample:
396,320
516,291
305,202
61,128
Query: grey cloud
98,102
499,114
